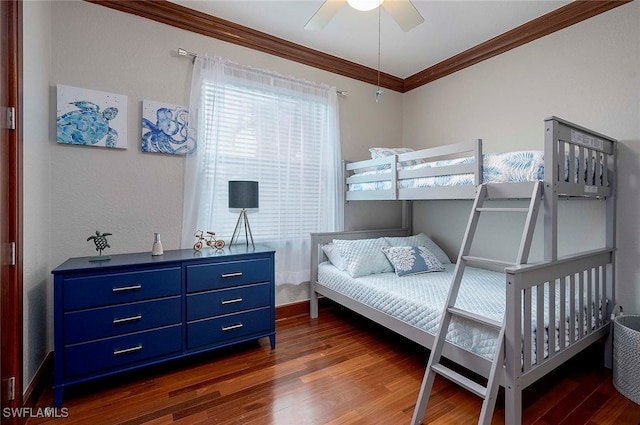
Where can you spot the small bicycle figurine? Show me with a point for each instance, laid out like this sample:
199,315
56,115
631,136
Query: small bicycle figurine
210,240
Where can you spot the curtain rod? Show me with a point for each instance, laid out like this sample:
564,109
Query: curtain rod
183,52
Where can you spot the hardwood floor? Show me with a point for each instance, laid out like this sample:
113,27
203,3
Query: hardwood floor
339,369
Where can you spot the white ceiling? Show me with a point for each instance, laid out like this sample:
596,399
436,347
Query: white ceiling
450,27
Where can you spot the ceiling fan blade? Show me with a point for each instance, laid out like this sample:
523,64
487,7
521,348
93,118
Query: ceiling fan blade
404,13
323,15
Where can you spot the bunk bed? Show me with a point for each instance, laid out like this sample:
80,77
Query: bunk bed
567,300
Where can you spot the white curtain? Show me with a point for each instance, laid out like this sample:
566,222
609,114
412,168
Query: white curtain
252,124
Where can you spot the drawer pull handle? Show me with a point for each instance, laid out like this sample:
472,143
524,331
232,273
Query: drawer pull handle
127,319
232,327
233,301
127,288
236,274
128,350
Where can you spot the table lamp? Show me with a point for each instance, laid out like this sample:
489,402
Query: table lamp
243,195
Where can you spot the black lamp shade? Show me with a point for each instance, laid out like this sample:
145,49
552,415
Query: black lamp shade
243,194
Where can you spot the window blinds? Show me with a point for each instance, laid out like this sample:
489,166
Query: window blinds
274,138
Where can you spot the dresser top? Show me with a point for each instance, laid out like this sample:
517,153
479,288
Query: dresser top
145,258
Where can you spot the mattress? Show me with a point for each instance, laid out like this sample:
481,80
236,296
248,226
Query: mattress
497,168
505,167
419,300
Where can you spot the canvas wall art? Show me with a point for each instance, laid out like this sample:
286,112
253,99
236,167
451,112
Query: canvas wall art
91,117
165,129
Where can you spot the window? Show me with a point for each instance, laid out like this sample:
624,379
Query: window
254,125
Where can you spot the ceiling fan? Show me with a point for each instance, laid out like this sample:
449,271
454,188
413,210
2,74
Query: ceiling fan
402,11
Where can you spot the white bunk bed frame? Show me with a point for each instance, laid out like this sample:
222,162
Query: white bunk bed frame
586,275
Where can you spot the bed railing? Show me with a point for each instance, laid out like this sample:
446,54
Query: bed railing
381,172
575,292
578,161
391,176
590,173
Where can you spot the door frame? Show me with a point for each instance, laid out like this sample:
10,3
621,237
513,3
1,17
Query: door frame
11,310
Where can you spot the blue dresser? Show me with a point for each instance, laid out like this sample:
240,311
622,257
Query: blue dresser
136,310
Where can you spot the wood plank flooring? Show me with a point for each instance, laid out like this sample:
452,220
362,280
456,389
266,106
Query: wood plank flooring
338,369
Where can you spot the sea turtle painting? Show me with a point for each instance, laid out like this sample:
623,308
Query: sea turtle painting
90,117
87,125
169,133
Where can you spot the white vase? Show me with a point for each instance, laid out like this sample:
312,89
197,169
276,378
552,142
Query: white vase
157,245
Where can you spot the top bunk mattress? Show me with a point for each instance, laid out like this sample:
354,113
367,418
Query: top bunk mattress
503,167
506,167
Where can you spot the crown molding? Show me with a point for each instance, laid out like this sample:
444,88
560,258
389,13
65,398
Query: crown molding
201,23
191,20
558,19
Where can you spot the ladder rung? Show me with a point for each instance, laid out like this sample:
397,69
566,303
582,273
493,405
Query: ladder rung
463,381
484,262
475,317
518,210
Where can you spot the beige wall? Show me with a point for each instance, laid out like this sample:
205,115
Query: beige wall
133,194
589,74
72,191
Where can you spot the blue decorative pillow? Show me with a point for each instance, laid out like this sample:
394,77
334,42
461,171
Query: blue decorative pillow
409,260
363,257
420,240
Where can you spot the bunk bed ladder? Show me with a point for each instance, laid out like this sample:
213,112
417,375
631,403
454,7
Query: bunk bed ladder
488,393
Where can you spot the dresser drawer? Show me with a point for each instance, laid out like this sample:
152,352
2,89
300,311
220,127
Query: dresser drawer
229,327
108,353
136,310
224,301
203,277
115,288
102,322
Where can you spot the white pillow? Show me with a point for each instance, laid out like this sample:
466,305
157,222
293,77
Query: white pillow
333,254
409,260
420,240
363,257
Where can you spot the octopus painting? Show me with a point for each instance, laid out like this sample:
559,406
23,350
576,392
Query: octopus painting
165,129
91,118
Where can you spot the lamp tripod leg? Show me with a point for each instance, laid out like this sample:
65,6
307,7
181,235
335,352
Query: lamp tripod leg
236,231
247,226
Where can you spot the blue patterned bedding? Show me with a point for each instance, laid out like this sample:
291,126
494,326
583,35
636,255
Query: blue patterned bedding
419,300
506,167
497,168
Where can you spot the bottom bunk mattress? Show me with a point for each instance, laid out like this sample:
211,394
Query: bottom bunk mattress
418,300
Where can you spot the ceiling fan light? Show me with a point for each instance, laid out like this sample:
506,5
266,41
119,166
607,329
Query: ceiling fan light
364,5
